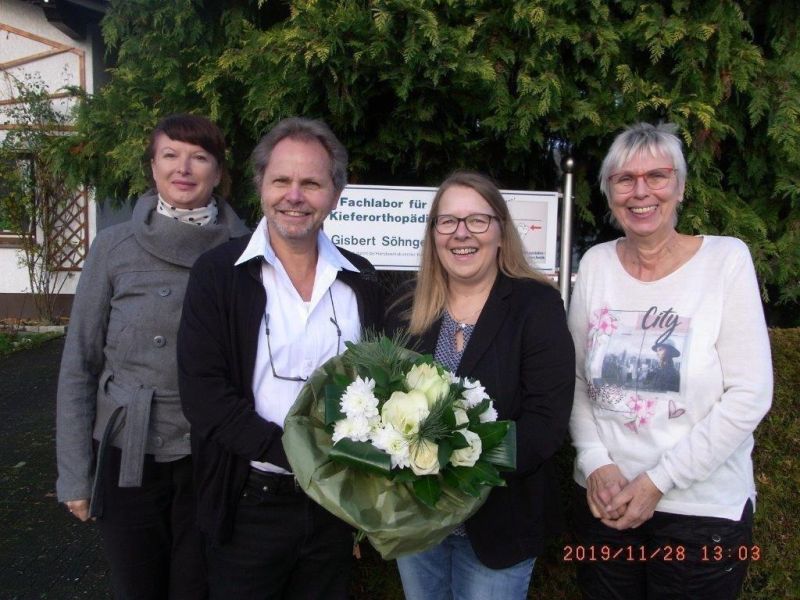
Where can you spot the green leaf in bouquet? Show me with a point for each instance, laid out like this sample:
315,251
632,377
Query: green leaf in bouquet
455,393
376,352
381,376
424,359
428,490
396,384
433,427
462,479
449,417
342,379
387,345
491,433
404,476
333,406
362,455
486,474
476,411
445,450
458,441
504,455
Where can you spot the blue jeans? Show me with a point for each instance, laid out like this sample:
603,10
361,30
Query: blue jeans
451,570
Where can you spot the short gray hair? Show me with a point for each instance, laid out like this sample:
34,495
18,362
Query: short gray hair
301,128
639,138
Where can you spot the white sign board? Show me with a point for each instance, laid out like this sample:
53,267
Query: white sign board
386,225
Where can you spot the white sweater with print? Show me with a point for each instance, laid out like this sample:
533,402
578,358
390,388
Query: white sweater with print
673,375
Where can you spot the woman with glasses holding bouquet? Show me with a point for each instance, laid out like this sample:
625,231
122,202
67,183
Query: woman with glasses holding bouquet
665,491
484,313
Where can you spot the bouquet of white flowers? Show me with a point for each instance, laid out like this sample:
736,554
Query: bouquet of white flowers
396,445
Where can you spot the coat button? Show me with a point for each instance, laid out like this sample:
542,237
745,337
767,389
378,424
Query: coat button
159,341
158,441
164,292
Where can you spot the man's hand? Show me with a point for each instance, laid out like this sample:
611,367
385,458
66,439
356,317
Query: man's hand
639,498
79,508
602,486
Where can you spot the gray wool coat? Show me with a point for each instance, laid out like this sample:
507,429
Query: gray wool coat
120,346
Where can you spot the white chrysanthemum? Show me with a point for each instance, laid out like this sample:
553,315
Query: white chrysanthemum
489,415
388,439
359,400
454,379
357,429
474,393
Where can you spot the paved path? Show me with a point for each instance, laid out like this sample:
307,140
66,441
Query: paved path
44,553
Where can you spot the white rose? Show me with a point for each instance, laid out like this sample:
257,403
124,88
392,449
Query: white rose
427,380
467,457
424,456
404,411
461,416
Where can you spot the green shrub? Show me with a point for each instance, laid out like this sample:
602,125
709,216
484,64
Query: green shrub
777,472
777,518
14,341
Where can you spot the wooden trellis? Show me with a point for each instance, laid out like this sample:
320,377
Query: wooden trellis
69,238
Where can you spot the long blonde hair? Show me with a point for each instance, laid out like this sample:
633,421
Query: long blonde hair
430,295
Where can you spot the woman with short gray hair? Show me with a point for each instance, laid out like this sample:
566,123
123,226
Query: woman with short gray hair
673,376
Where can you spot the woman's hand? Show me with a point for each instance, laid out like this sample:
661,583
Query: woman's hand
79,508
638,500
602,486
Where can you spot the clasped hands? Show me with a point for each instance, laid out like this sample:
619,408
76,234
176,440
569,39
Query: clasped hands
619,503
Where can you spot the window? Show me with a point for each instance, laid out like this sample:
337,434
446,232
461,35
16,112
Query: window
17,189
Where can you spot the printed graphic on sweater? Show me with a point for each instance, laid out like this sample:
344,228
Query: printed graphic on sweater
633,362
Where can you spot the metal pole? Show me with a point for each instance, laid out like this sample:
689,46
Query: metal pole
565,268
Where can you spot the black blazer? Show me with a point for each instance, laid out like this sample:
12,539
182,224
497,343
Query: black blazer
522,353
217,343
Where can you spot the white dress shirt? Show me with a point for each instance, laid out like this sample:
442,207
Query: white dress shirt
301,334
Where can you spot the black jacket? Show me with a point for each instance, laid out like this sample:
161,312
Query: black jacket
217,344
522,353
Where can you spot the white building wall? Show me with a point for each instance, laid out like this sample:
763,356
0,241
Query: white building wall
57,71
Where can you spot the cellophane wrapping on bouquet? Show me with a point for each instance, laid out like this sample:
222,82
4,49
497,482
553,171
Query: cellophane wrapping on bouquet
387,511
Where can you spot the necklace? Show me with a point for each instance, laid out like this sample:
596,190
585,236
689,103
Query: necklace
463,323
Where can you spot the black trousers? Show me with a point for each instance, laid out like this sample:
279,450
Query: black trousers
149,533
284,546
668,557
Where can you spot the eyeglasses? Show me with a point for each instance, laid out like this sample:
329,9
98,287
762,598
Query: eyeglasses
477,223
657,179
269,345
